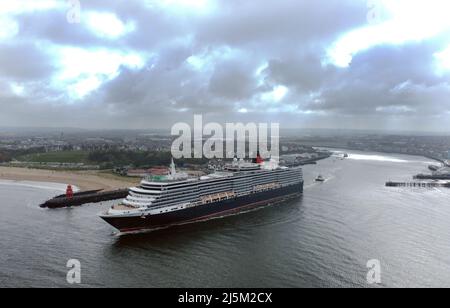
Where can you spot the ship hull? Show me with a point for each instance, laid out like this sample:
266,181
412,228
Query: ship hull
203,212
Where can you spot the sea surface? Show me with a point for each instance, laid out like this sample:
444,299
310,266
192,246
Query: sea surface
324,239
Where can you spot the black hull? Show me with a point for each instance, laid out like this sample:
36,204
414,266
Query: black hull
204,212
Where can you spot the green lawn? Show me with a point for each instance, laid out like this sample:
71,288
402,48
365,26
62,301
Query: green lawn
56,157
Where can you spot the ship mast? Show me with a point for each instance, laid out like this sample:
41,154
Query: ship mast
173,170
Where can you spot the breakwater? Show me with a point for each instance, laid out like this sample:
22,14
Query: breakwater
417,184
80,198
432,177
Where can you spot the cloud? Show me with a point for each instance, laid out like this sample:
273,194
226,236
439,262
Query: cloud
8,28
107,25
443,59
138,64
232,80
24,61
407,21
83,71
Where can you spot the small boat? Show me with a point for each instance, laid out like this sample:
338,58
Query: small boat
345,155
434,168
320,179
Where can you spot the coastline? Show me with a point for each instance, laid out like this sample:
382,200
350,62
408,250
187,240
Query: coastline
84,180
380,152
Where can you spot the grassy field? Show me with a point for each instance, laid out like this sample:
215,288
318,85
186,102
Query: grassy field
109,175
56,157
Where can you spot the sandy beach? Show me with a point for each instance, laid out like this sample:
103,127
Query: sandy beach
85,180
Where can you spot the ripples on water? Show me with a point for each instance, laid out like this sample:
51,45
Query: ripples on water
323,239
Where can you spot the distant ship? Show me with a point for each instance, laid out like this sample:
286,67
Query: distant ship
320,179
434,168
164,201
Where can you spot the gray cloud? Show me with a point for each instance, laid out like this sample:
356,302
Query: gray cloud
232,80
389,81
23,61
244,49
289,22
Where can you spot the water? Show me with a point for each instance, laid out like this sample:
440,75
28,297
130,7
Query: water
323,240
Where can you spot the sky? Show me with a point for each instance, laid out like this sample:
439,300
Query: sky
344,64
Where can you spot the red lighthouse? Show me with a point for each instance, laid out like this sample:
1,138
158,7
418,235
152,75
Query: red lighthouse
69,192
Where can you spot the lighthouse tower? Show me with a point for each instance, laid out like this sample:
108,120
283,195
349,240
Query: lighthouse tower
69,192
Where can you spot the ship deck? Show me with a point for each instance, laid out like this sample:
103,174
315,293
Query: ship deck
123,207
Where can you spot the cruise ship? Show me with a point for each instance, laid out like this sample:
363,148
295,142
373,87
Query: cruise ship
174,199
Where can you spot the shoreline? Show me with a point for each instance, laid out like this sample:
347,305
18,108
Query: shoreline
382,152
84,180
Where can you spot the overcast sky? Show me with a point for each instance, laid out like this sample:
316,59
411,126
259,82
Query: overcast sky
147,64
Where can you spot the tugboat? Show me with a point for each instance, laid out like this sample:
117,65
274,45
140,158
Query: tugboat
320,179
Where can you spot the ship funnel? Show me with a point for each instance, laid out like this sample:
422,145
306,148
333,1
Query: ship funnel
259,159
